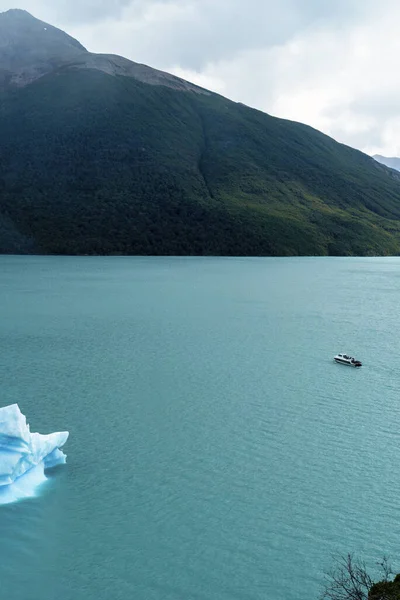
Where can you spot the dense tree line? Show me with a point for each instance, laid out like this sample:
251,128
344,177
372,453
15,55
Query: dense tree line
94,164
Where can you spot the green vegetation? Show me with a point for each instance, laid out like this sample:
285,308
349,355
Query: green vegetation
386,590
95,164
349,580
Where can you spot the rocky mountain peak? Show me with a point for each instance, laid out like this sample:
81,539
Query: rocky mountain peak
30,48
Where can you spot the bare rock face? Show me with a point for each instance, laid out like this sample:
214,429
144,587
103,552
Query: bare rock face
113,64
30,48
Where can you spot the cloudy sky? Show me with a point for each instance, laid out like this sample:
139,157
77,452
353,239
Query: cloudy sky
330,63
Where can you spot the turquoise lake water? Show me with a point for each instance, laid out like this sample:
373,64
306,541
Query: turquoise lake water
216,451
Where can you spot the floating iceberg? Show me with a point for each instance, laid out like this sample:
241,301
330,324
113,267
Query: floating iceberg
24,455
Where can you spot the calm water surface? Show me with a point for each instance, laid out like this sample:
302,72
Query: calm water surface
216,451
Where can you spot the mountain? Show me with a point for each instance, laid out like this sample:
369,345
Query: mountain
101,155
30,48
393,162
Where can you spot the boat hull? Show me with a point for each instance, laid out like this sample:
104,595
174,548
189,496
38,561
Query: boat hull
347,363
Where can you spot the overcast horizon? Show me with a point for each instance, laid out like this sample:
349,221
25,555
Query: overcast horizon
330,66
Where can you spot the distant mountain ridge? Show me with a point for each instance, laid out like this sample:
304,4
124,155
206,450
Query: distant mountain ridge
392,162
101,155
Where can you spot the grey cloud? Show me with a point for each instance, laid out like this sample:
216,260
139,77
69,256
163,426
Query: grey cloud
377,103
382,111
223,38
193,33
208,31
90,11
69,11
364,139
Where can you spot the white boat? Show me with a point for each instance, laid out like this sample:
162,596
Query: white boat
345,359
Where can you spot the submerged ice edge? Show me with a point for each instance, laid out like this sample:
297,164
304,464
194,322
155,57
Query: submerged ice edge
24,456
26,486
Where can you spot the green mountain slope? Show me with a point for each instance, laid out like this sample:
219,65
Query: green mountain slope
98,163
